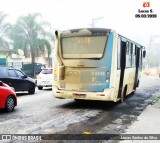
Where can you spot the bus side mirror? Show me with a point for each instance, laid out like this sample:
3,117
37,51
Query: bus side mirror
144,54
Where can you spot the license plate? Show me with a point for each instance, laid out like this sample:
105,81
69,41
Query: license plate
76,95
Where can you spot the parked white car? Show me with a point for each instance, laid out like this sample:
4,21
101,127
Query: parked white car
44,78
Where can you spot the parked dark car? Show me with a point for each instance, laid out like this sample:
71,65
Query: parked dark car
17,79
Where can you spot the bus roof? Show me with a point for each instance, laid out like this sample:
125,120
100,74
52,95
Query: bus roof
127,39
139,46
93,32
85,31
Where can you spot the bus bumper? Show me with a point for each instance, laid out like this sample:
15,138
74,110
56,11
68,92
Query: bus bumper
106,95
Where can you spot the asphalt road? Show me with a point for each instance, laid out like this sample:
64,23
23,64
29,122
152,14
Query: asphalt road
42,114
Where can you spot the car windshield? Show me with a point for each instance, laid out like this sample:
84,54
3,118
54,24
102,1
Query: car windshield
46,71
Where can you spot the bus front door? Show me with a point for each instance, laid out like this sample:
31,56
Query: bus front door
137,67
123,65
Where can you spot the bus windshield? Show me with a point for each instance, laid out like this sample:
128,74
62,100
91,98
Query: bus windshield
83,47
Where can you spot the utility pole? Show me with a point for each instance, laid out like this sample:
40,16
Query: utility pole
94,20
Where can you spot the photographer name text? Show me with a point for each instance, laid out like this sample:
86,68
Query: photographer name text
146,13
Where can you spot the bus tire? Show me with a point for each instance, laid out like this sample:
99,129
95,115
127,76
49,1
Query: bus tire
138,83
78,100
123,95
133,92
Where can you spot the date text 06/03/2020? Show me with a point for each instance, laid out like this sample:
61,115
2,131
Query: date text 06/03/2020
145,14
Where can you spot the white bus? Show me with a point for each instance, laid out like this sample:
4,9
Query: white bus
95,64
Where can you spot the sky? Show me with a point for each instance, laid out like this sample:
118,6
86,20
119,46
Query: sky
69,14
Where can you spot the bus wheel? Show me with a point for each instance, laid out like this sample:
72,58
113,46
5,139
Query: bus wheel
138,83
123,95
78,100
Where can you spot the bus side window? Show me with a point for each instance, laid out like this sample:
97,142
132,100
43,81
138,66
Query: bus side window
133,55
128,55
135,49
140,59
127,48
119,53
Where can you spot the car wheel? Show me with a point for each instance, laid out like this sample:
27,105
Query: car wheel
10,104
31,90
40,87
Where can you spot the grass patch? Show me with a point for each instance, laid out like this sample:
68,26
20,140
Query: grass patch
154,101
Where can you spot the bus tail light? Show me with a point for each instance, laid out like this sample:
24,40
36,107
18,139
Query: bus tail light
55,75
107,76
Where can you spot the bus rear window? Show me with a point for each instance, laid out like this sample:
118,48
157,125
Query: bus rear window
83,47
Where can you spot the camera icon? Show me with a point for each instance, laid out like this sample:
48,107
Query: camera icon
146,4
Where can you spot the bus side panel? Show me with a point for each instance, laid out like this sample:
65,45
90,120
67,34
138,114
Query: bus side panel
129,78
115,76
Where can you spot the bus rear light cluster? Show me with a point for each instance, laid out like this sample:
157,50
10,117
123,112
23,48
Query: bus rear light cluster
107,76
55,74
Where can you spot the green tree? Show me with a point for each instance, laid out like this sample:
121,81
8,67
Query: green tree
4,29
29,33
